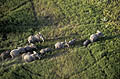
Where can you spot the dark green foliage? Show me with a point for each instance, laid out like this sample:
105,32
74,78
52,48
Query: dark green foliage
60,20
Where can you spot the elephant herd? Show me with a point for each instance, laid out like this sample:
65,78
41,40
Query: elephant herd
28,52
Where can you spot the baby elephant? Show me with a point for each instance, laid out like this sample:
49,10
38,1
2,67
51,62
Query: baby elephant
44,51
59,45
86,42
71,42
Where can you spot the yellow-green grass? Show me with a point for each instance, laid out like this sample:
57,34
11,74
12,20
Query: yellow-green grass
60,20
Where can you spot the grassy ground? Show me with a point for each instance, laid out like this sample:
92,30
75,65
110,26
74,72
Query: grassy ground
59,20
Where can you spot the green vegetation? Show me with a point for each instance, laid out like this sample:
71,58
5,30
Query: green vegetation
59,20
